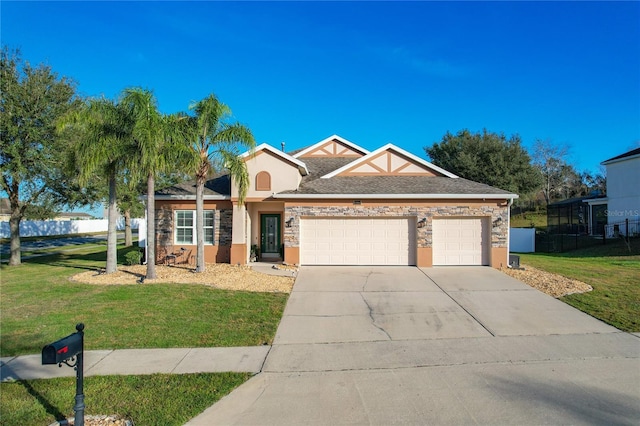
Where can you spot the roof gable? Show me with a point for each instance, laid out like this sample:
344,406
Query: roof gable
390,160
268,149
332,147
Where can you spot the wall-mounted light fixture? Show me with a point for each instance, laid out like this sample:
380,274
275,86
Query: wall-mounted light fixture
422,222
497,222
289,222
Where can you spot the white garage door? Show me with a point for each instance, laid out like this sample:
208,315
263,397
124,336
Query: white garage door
357,241
460,241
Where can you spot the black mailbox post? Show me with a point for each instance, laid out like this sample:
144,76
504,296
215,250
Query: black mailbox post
64,351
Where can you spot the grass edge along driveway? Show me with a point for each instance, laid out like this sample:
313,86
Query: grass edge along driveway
613,270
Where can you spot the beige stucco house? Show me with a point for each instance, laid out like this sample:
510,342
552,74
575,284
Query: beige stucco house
336,203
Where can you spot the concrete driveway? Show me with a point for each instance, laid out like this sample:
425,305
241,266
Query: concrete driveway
402,345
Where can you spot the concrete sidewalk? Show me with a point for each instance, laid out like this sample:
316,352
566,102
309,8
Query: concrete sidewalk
444,346
141,361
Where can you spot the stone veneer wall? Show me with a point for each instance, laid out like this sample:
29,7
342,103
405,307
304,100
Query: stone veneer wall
498,215
164,226
224,226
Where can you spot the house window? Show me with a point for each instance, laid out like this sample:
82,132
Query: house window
263,181
186,227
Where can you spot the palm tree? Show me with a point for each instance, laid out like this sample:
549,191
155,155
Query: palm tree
216,147
162,144
103,145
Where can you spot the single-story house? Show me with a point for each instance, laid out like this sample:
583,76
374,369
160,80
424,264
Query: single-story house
336,203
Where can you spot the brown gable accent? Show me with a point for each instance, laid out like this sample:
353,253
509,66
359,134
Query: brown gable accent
332,149
389,163
263,181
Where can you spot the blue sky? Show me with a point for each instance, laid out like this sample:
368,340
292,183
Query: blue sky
372,72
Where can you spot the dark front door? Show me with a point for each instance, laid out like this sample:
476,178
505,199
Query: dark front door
270,235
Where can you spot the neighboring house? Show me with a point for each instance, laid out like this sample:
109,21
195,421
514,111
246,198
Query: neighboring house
623,193
73,216
5,213
335,203
578,216
5,209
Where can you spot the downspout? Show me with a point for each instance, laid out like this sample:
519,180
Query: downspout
509,203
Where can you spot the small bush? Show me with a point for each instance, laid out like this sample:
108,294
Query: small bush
133,257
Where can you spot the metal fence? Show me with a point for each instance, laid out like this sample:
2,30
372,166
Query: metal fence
556,242
628,228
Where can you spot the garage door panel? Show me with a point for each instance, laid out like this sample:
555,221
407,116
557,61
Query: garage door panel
357,241
460,241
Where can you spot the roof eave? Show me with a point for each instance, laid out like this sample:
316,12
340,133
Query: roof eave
399,196
191,197
617,160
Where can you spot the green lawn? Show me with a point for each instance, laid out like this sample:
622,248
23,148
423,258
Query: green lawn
613,270
536,220
158,399
39,304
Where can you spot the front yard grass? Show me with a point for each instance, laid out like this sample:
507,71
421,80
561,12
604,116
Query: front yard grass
613,270
39,305
158,399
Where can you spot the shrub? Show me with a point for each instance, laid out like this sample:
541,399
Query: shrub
133,257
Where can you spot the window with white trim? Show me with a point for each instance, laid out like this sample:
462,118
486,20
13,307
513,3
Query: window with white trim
185,227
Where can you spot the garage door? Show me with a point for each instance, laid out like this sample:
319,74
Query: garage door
460,241
357,241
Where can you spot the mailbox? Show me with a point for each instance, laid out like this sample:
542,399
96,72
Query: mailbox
63,349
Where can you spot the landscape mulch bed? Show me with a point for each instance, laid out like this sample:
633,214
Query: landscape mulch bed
220,275
242,277
552,284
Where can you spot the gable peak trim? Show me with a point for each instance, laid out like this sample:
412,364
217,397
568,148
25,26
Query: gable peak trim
392,148
266,147
329,139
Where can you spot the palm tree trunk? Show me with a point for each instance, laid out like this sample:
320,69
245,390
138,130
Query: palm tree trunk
112,236
151,228
200,266
128,238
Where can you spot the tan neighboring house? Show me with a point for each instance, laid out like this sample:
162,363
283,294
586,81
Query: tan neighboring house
336,203
5,209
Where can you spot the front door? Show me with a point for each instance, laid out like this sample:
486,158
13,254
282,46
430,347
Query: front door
270,235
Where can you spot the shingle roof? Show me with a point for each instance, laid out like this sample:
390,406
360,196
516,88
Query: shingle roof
625,155
344,185
395,185
319,167
217,185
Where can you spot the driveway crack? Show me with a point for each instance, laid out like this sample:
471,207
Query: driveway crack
373,321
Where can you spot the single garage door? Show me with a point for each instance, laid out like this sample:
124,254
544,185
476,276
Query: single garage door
357,241
461,241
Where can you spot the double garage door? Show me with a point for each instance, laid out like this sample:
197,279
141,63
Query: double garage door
357,241
390,241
